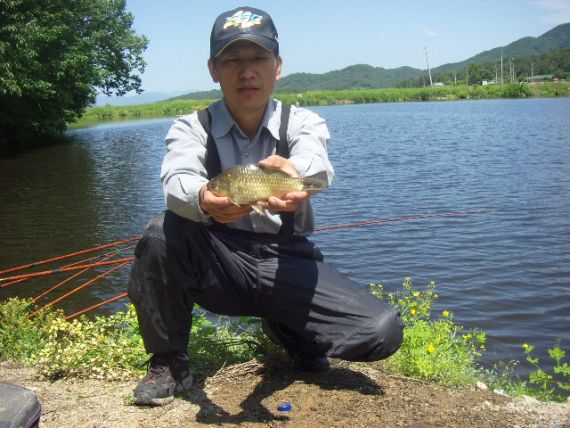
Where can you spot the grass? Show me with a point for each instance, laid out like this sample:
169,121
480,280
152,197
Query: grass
174,108
435,348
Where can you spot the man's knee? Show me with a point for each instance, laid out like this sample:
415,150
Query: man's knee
389,332
378,339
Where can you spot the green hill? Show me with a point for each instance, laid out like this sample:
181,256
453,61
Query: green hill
557,38
360,76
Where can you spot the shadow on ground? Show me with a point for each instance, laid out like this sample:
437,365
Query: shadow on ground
272,378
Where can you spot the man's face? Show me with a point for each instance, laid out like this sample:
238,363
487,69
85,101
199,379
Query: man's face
247,74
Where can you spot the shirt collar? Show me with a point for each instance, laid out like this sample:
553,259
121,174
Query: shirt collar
224,121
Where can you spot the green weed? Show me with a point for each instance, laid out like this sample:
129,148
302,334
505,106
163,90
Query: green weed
433,349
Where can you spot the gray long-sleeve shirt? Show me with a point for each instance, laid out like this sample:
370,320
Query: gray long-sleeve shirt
184,173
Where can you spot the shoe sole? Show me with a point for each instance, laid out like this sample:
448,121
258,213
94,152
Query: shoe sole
142,401
180,389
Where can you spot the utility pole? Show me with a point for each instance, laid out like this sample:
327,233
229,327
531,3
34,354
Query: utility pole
502,67
514,74
429,71
532,72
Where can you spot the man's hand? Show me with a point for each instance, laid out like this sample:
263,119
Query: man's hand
290,201
220,207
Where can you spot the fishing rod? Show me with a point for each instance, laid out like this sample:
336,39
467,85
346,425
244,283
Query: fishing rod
59,284
98,305
101,257
77,253
65,269
75,290
401,218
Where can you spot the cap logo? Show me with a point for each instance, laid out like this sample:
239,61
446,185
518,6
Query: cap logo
242,18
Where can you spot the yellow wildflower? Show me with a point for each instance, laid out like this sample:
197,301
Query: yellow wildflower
525,345
431,348
413,311
445,313
416,294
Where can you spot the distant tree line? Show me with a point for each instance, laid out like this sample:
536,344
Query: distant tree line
555,63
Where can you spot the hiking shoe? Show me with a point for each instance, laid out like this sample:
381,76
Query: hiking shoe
167,375
318,364
302,359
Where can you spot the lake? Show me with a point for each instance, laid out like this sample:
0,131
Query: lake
505,270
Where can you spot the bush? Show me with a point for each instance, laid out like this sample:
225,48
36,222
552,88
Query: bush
110,347
22,338
437,350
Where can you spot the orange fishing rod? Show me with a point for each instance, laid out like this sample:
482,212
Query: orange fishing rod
402,218
65,269
13,282
59,284
98,305
103,257
77,253
75,290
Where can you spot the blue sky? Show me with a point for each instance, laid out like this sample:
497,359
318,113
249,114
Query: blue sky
317,36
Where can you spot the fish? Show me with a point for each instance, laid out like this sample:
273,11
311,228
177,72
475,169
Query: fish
246,184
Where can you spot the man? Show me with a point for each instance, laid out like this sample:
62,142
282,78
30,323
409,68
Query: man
230,260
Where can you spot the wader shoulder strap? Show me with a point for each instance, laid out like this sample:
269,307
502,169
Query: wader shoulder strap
213,165
287,218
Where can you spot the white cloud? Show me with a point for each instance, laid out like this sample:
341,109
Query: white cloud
429,32
557,11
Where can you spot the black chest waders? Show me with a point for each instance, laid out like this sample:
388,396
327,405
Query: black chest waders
213,166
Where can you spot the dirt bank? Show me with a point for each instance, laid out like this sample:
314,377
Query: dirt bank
247,395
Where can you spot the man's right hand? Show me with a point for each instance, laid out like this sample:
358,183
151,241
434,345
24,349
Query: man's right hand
221,208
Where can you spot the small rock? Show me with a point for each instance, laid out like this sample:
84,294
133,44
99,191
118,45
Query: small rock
480,385
527,401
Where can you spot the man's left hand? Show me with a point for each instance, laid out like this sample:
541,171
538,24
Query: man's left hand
290,201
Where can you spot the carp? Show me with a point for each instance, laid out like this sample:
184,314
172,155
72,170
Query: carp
245,184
